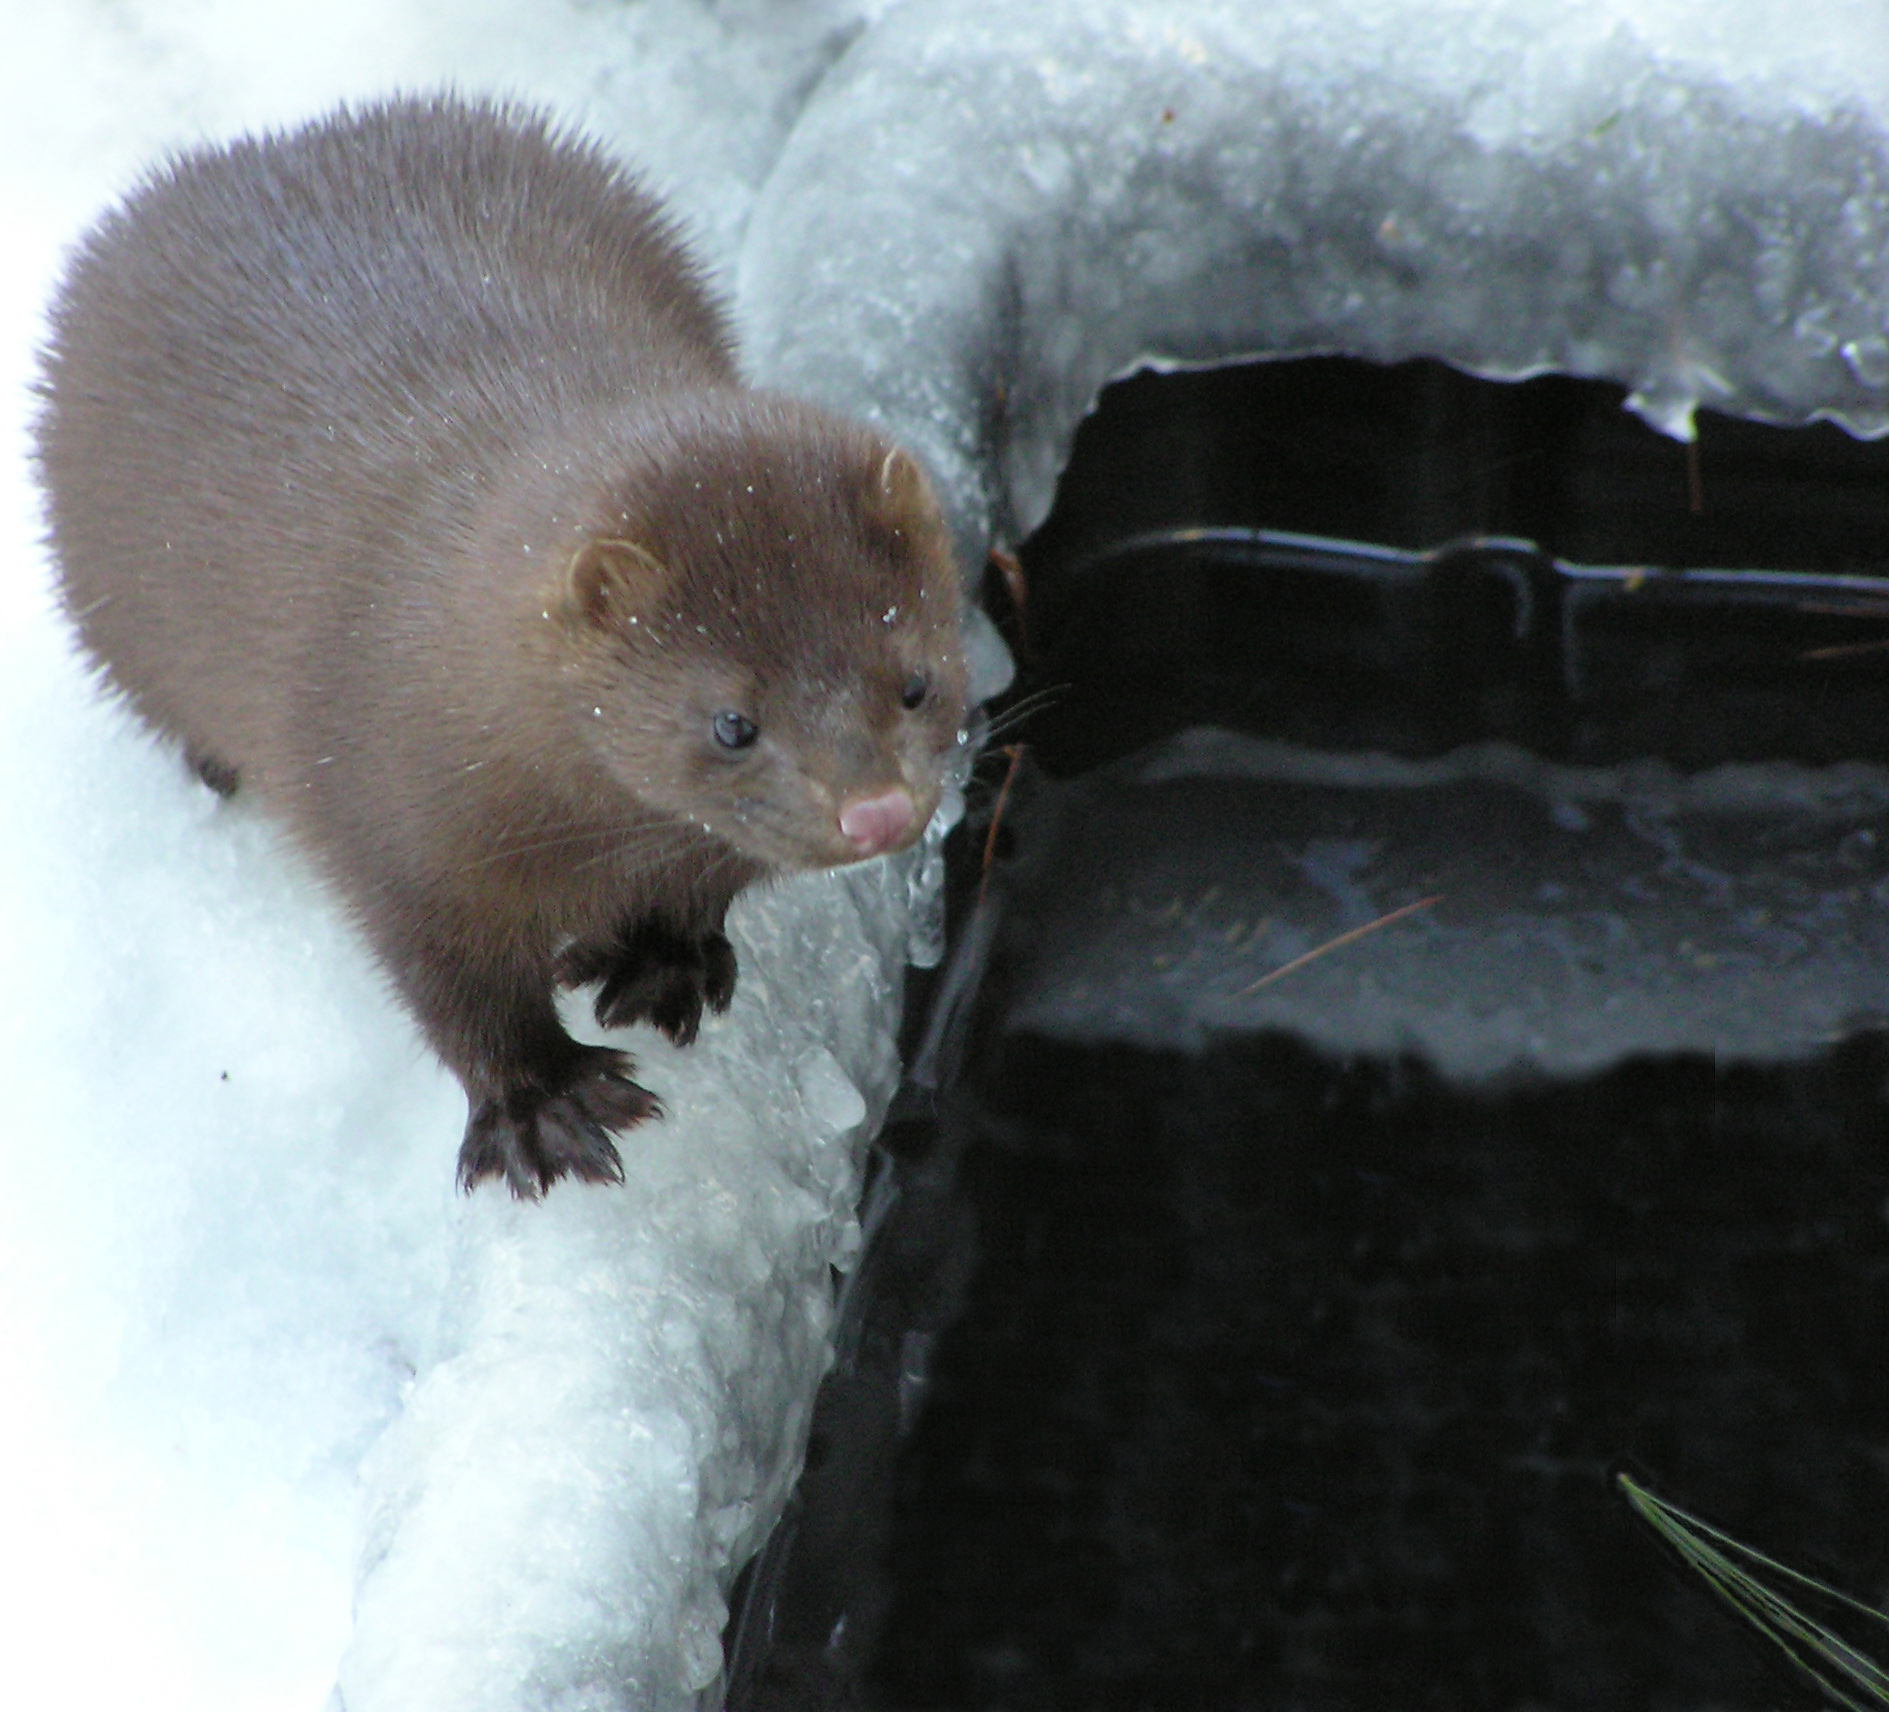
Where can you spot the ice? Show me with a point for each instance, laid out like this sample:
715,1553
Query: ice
624,1382
986,212
1566,917
276,1398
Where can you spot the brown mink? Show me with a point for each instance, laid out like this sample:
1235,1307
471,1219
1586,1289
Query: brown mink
397,467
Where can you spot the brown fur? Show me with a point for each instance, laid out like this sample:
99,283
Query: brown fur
398,468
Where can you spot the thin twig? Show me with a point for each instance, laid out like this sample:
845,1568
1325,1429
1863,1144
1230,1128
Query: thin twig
1015,752
1343,939
1010,568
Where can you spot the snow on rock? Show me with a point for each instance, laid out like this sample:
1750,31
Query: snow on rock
986,212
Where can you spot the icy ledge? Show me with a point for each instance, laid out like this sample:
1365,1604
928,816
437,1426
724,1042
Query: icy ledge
622,1393
1566,917
985,213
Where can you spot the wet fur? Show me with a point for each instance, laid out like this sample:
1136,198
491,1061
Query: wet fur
397,467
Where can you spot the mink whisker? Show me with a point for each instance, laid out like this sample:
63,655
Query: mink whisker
646,838
1024,708
533,847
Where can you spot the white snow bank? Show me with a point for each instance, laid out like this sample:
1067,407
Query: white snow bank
986,212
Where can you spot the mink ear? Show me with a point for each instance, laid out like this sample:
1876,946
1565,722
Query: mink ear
608,580
904,499
901,481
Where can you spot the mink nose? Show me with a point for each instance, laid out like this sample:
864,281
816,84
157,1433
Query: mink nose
874,825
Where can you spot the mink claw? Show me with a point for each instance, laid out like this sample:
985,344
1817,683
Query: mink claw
531,1136
613,1101
532,1153
669,996
656,975
718,971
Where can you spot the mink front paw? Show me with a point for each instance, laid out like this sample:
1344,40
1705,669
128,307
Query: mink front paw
531,1134
656,974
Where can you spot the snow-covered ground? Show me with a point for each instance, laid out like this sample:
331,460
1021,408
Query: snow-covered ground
250,1339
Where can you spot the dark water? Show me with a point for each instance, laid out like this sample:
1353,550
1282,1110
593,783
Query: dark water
1416,456
1290,1384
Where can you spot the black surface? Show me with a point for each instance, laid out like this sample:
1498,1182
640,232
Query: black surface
1292,1384
1417,454
1284,1383
1514,493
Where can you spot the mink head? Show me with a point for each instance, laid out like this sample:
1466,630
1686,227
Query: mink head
763,633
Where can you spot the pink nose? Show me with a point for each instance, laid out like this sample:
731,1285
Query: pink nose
874,825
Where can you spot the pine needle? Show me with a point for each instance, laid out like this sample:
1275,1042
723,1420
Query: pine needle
1749,1583
1015,752
1343,939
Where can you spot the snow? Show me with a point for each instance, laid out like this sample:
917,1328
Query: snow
279,1403
987,212
623,1383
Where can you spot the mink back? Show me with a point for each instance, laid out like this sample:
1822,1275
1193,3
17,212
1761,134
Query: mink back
287,374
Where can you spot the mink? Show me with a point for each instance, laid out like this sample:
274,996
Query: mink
399,470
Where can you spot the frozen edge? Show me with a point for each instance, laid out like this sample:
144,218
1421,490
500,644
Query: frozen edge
984,216
1722,913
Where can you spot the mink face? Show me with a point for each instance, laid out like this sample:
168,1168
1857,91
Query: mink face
398,470
781,671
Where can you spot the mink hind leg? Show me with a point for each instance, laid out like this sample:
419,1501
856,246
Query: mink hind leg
542,1106
657,970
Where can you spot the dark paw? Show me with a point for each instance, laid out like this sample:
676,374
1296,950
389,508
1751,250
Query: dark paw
655,974
718,963
213,770
532,1135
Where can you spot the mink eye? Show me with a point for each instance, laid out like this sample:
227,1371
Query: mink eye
735,730
917,687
